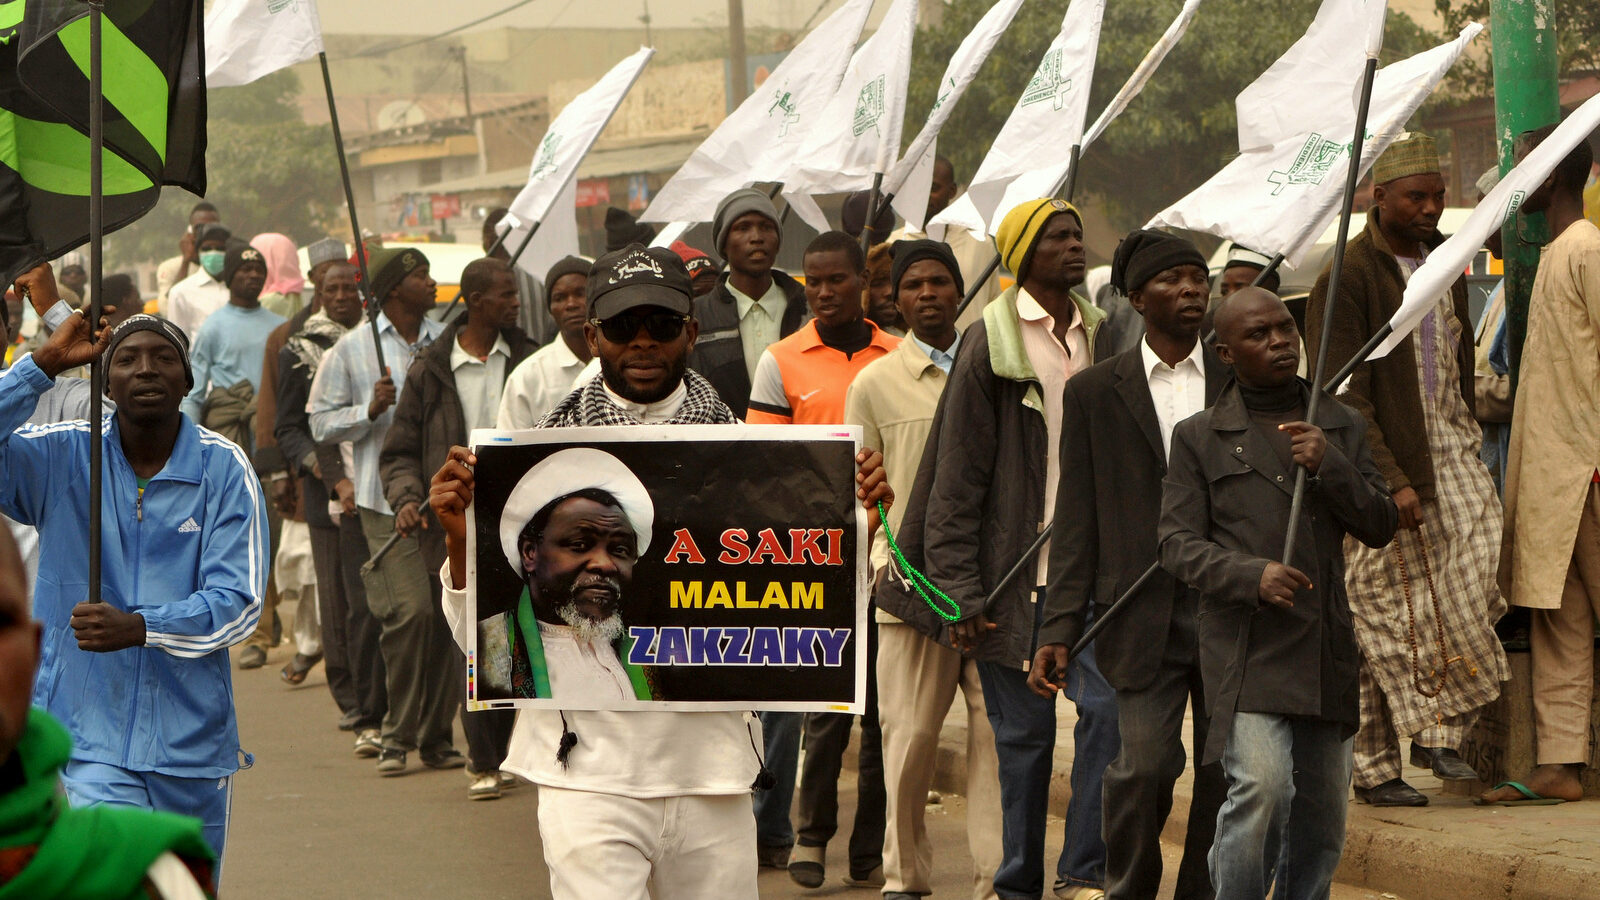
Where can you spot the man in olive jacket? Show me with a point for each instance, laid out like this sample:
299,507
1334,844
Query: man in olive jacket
1277,650
454,386
984,489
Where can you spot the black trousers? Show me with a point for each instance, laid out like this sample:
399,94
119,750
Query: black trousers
827,736
1138,783
334,608
361,628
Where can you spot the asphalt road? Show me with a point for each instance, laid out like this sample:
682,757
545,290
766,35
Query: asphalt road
312,821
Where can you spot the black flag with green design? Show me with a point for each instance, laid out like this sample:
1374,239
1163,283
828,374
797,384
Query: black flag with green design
153,65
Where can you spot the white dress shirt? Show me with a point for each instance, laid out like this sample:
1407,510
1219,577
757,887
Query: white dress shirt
538,384
1178,391
193,300
480,381
582,669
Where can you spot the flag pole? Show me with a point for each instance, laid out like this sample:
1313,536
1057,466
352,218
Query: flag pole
498,243
1272,266
1064,187
872,212
373,301
1352,177
97,384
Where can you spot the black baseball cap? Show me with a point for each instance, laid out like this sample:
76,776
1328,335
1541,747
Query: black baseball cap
638,275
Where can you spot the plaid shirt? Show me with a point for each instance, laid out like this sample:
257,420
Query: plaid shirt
343,388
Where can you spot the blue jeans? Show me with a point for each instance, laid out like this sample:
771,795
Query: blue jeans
1025,737
781,734
1288,776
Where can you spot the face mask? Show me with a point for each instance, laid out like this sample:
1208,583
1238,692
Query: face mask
212,260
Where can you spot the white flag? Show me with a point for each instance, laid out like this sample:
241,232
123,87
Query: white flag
858,132
1141,73
1323,64
1030,154
1280,198
1447,261
758,141
557,236
962,68
246,39
570,136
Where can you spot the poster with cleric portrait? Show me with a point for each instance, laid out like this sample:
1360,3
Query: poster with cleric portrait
688,567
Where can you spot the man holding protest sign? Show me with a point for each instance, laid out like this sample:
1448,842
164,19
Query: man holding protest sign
1440,572
630,801
985,488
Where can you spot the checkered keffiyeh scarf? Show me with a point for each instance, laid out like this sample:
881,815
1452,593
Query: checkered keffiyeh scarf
589,405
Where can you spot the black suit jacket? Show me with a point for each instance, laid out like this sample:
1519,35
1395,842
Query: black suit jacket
1108,503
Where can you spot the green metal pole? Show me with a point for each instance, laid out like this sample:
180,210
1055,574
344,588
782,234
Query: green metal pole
1525,69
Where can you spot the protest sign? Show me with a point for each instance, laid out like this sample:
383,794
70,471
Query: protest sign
689,567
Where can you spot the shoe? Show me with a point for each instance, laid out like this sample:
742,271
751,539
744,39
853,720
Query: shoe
299,667
252,657
350,720
449,758
772,857
391,762
1444,762
1393,792
805,866
872,879
484,787
902,895
1080,892
368,744
507,781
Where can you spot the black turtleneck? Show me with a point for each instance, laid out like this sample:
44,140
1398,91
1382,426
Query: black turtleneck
849,339
1270,407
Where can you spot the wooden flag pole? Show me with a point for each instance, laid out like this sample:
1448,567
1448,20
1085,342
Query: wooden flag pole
97,374
373,302
872,212
1353,175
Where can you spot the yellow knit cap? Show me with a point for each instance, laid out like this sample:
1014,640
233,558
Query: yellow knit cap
1020,229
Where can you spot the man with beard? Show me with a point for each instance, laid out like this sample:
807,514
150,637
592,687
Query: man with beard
1440,572
1276,645
139,675
564,637
544,379
354,665
628,799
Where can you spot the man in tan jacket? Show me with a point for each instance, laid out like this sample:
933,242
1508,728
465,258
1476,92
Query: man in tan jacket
1550,557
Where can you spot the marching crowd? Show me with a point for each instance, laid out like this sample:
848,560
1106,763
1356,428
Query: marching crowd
271,443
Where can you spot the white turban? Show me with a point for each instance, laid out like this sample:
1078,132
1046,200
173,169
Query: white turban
567,472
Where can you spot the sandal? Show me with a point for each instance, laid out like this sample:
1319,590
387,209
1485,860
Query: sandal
299,667
1529,797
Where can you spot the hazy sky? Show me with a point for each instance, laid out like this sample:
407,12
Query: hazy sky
431,16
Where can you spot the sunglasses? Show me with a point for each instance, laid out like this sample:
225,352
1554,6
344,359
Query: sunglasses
622,327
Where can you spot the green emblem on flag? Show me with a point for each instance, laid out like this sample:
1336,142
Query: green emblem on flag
1047,83
783,99
1311,165
546,162
277,6
869,106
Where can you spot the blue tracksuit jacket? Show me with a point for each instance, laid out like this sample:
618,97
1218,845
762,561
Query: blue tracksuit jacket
191,557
